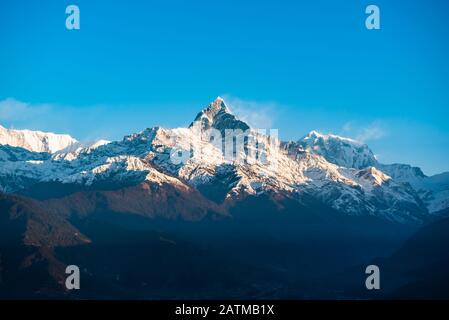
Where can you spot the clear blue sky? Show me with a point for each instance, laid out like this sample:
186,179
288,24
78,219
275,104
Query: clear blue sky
295,65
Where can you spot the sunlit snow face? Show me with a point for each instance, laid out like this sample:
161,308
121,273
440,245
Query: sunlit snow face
230,146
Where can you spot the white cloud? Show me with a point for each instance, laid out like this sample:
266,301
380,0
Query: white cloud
259,115
374,131
347,127
14,110
49,117
364,133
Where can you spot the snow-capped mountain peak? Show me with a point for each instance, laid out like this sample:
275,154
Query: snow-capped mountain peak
36,141
217,115
315,135
218,105
341,151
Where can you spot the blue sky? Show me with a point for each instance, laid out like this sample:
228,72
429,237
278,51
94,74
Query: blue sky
291,65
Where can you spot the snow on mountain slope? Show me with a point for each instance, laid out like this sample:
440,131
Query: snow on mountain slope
344,152
35,141
404,173
73,151
8,153
214,165
435,191
352,154
218,116
359,192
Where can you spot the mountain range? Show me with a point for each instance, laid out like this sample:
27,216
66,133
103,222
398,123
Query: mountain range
339,171
180,192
